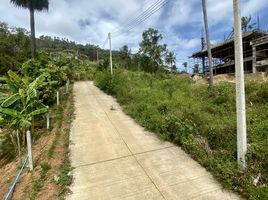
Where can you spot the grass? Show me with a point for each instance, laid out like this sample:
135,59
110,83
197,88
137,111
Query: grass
37,184
201,120
59,119
65,178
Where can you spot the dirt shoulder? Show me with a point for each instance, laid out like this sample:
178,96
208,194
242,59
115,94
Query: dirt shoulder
50,154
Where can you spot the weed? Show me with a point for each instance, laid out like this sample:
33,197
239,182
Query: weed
201,120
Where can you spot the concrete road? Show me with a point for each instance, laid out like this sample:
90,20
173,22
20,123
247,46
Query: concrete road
114,158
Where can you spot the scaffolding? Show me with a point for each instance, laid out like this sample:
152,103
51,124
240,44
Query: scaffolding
223,54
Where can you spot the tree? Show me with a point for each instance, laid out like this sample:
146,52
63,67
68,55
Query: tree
125,52
150,46
185,66
32,5
173,68
245,23
170,59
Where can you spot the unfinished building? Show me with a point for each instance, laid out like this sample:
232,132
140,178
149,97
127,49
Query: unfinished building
255,53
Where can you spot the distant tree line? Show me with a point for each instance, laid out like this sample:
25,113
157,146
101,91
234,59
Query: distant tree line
153,56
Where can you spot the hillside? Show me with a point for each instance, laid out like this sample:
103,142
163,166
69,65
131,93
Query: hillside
201,121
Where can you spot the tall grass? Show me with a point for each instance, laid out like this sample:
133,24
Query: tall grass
201,120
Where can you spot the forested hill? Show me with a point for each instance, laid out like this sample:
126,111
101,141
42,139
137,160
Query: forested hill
15,47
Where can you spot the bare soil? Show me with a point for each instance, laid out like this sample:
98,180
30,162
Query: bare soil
50,189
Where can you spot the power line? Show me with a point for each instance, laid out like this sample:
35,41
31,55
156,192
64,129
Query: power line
143,16
147,16
132,20
105,42
133,15
149,9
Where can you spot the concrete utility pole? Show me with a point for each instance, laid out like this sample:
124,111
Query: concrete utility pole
208,43
240,89
97,56
111,58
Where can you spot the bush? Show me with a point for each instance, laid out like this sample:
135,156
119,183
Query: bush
7,150
201,120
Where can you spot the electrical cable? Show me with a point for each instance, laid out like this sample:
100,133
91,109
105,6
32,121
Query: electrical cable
146,17
105,42
149,9
143,16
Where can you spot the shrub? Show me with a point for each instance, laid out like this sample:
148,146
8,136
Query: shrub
201,120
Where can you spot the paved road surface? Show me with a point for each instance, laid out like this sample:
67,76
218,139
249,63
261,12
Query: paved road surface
114,158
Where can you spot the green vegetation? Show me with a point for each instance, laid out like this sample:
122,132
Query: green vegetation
37,184
37,5
59,119
65,171
202,121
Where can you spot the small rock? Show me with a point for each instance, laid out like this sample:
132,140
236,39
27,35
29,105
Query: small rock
56,178
256,180
70,173
113,107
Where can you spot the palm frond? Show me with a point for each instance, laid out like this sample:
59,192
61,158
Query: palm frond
39,5
21,3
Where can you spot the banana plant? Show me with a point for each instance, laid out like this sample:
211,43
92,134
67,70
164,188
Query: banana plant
20,104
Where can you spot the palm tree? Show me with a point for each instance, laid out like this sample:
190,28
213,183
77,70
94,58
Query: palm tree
32,5
185,66
245,23
170,59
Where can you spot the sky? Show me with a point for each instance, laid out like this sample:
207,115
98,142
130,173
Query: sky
180,22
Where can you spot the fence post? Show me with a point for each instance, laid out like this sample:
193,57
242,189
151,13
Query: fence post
58,98
29,148
18,140
67,86
48,121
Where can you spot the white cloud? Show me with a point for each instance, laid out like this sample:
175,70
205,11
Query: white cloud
180,23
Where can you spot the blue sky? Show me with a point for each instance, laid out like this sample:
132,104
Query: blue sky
180,21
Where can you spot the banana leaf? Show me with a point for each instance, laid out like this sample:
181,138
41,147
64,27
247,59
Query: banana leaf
39,111
37,82
25,123
31,93
10,112
12,86
3,79
10,100
14,77
1,119
4,86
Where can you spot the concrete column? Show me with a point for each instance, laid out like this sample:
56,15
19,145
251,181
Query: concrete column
254,60
240,89
111,57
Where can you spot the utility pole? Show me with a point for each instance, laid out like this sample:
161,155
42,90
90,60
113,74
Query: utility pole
240,89
203,58
208,43
97,56
111,58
